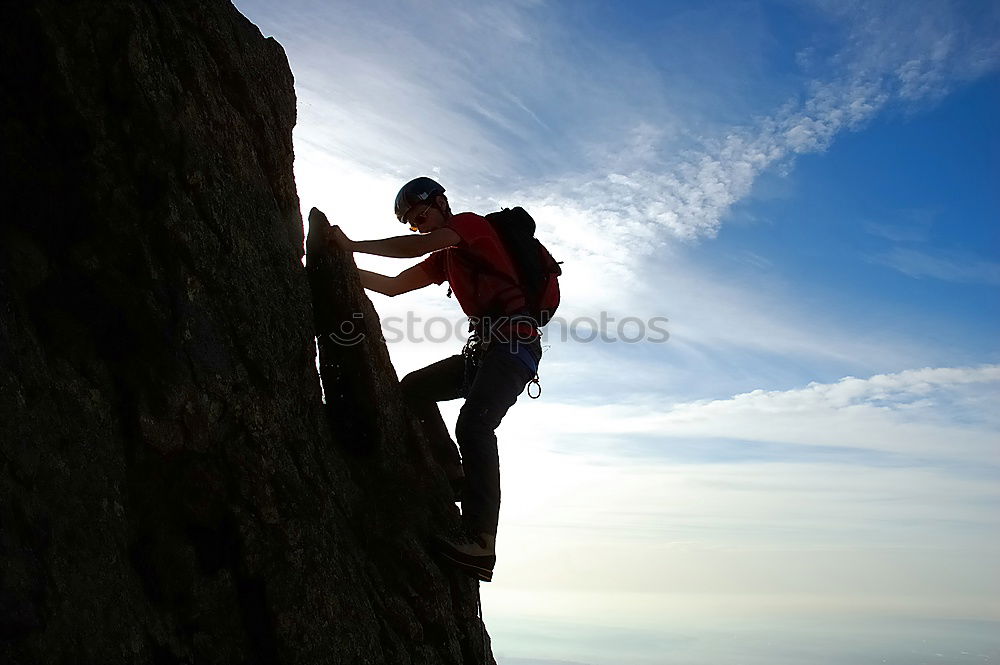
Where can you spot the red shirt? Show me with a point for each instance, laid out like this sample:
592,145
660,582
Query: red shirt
477,269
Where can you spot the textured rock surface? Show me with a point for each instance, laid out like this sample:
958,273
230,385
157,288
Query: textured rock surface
172,486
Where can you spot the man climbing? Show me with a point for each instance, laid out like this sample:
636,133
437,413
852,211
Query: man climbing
499,360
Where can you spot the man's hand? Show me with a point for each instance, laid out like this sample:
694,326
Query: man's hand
339,239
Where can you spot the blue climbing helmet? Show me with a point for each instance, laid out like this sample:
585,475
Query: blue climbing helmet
418,190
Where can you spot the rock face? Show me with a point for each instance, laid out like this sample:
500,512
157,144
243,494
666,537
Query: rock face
172,486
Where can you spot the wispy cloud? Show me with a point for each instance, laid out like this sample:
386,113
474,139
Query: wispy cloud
950,266
938,413
892,54
495,93
908,226
519,101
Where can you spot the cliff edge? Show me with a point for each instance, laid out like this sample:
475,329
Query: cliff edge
173,488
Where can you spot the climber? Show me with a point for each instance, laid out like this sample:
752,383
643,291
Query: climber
499,360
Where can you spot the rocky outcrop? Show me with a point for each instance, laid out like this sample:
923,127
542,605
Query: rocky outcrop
173,487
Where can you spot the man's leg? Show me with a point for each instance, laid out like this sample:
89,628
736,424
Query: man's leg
501,378
422,390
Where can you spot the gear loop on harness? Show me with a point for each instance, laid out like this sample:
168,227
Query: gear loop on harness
534,381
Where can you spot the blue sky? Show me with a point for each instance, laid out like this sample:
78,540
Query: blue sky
807,469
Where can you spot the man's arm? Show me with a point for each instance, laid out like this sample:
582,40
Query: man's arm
399,247
408,280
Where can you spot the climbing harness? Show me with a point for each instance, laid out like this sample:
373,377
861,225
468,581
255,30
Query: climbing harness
475,349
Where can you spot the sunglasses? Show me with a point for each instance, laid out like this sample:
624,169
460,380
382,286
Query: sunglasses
417,220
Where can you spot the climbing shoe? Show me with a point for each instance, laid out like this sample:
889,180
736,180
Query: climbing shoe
473,553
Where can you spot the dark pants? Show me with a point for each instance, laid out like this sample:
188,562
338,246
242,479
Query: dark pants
489,390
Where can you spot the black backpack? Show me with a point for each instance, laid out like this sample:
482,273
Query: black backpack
538,273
